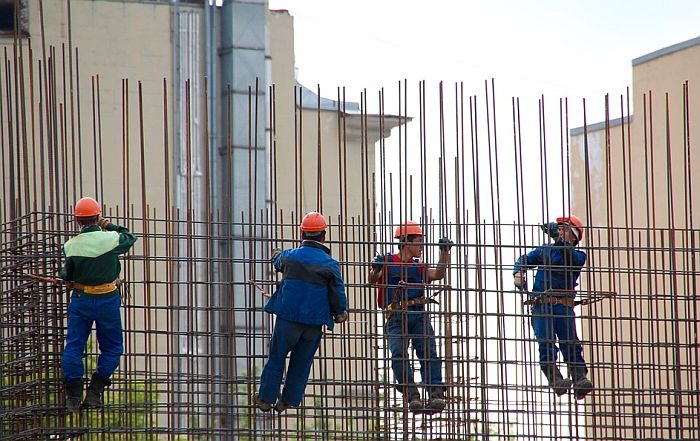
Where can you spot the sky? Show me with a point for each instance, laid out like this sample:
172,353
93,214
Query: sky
531,49
555,48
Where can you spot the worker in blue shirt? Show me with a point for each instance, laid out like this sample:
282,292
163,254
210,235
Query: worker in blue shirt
311,294
552,301
402,295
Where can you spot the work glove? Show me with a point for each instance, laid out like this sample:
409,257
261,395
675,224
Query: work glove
519,280
551,229
378,262
102,222
445,244
340,318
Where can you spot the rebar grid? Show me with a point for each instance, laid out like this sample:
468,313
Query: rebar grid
196,336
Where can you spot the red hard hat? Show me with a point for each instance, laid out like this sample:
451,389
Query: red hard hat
87,207
408,228
313,222
574,222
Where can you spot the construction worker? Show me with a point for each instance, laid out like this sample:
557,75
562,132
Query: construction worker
403,277
92,269
559,266
311,294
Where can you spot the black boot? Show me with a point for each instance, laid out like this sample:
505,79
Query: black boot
557,382
582,385
412,397
93,397
436,402
74,394
261,404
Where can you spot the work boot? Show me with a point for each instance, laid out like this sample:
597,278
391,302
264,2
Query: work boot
412,397
74,394
582,385
557,382
436,403
93,397
261,404
281,406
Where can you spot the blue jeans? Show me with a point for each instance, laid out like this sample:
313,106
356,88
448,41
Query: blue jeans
302,341
402,328
552,322
82,312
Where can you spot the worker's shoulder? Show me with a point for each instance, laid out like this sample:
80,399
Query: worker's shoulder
311,255
91,244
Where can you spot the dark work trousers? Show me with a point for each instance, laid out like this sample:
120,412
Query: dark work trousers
414,327
552,323
301,341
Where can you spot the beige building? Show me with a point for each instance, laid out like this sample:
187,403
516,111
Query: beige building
125,120
640,199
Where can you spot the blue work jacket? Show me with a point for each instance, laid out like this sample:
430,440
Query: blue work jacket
312,290
558,267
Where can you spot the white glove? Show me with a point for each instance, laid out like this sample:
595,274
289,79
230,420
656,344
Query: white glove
519,280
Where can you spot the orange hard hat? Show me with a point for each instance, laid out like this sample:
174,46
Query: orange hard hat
575,222
408,228
87,207
313,222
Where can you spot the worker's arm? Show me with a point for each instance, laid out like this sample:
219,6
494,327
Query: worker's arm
66,272
126,239
377,271
439,271
276,259
525,262
336,295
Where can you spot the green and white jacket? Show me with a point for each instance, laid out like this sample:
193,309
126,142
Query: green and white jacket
92,257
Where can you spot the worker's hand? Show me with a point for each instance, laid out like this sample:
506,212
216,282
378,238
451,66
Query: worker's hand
340,318
551,229
378,262
102,222
445,244
275,251
519,280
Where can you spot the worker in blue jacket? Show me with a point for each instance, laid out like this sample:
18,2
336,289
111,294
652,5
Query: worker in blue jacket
311,294
558,266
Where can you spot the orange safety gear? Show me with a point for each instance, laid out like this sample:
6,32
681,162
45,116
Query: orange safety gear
87,207
313,222
408,228
575,222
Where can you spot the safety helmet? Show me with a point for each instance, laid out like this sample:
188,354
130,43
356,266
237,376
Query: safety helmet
408,228
87,207
313,222
574,222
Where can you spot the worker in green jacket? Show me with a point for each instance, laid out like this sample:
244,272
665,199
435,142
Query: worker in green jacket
92,270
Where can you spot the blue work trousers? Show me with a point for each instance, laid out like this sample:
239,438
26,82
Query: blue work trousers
301,341
414,327
555,322
83,310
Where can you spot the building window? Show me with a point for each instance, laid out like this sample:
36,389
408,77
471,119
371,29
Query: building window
11,19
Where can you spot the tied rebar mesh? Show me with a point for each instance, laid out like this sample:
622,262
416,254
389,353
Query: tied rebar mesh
195,335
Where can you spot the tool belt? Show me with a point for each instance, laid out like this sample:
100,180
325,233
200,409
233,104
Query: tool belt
406,304
104,288
539,300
